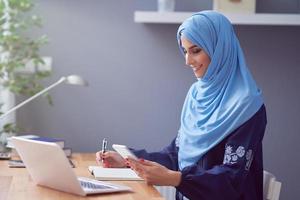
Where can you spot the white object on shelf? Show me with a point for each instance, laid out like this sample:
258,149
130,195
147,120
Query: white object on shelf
235,18
166,5
234,6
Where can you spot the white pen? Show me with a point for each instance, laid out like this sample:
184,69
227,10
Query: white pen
104,145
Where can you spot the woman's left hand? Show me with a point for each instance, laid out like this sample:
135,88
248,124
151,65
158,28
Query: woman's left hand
154,173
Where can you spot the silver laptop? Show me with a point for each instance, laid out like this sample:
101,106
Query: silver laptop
48,166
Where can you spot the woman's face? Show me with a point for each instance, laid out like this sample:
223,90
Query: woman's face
195,57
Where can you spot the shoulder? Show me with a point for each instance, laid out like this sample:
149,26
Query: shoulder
253,128
260,117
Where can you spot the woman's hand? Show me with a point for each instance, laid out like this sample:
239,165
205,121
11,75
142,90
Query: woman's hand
110,159
154,173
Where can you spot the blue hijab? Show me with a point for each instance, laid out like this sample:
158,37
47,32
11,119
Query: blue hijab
224,98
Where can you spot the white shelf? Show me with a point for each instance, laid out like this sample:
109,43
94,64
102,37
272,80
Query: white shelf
240,19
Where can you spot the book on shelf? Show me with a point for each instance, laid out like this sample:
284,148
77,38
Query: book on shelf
20,164
10,144
58,141
67,151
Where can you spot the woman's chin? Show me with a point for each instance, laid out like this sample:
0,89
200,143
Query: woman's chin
198,75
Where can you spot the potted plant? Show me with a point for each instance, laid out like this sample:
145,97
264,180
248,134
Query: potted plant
19,51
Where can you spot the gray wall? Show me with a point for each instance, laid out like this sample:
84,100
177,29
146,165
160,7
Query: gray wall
138,80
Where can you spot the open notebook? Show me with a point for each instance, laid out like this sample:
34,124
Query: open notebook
101,173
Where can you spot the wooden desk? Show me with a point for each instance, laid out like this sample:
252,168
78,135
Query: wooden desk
16,184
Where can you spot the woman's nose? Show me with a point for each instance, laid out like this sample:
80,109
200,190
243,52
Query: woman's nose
188,60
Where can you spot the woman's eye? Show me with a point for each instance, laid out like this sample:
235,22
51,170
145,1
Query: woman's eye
196,50
184,51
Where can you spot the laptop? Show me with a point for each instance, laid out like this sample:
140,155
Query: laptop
48,166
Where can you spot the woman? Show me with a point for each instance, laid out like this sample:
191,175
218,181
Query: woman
217,153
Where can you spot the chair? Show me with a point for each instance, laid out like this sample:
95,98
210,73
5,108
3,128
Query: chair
167,192
271,187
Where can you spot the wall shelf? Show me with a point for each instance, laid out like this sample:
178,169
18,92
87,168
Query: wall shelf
239,19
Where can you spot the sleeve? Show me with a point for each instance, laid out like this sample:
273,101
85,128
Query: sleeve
168,157
227,180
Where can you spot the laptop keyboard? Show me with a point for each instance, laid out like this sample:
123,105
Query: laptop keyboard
89,185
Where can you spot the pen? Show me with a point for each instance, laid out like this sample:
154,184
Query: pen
104,145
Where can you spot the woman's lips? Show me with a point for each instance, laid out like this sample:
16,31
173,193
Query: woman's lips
196,68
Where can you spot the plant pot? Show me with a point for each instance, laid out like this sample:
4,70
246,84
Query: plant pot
7,101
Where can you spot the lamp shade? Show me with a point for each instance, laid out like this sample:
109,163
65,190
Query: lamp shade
76,80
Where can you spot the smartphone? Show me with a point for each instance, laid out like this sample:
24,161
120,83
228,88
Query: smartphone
123,151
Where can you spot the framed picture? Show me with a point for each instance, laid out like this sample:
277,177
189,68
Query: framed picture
234,6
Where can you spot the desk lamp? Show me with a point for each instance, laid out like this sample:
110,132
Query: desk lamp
72,80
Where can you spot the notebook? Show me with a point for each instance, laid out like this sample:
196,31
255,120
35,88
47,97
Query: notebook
101,173
48,166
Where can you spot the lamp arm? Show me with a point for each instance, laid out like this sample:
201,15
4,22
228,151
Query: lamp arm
61,80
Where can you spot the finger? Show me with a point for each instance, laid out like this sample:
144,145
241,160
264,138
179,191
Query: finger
131,164
139,172
149,183
106,164
98,158
135,166
127,164
108,154
138,167
133,160
147,162
141,161
98,155
98,161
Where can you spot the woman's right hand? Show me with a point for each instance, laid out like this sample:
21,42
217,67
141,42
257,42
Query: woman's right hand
111,159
